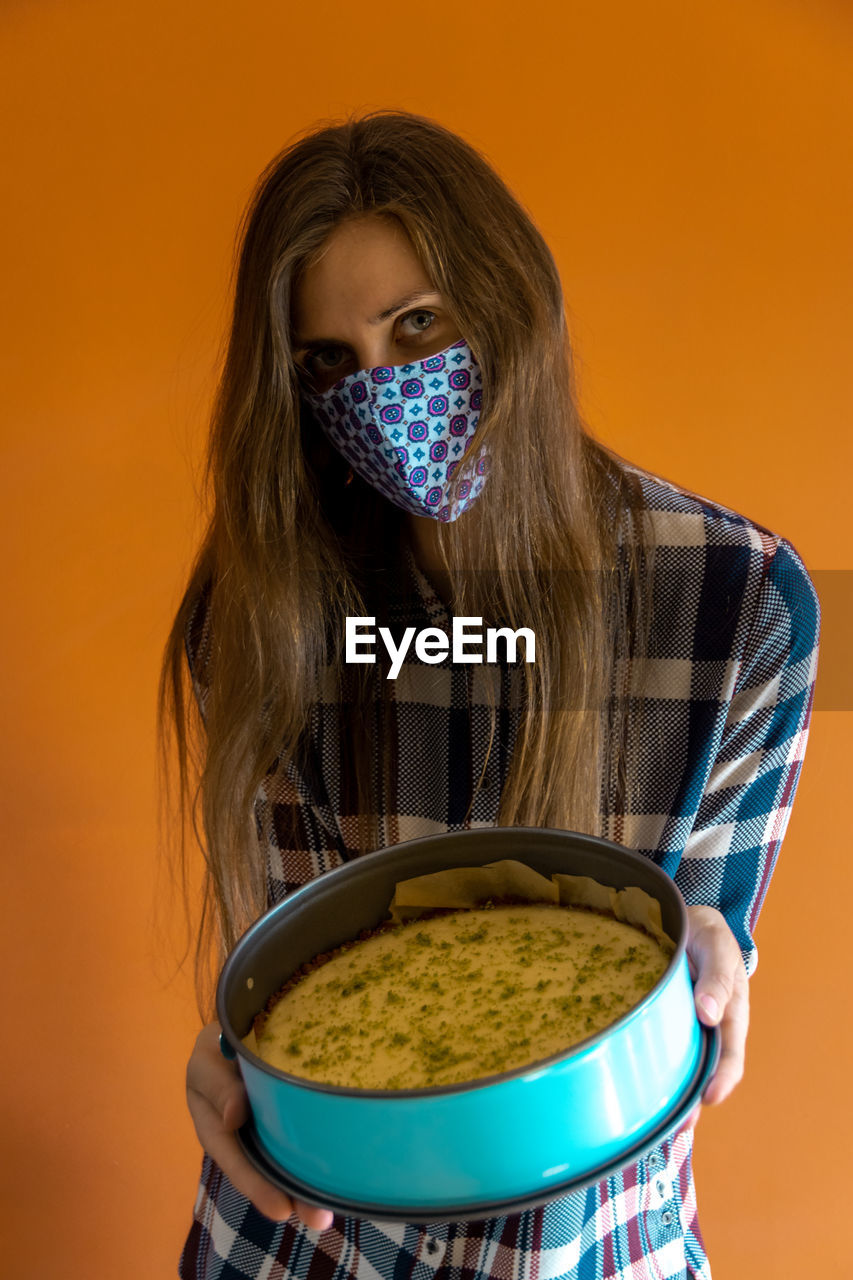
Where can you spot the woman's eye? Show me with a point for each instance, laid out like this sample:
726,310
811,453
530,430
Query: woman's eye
330,360
318,357
416,317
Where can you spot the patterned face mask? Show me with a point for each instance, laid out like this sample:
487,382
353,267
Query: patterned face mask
405,428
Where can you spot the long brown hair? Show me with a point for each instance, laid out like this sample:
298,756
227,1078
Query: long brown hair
289,552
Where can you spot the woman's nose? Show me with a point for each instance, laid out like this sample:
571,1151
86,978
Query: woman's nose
372,353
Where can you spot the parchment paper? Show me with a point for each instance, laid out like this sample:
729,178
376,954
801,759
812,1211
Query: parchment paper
473,886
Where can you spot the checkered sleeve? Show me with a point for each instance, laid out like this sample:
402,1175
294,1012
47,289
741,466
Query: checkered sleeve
299,833
731,852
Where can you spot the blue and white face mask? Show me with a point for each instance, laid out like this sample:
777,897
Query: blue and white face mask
405,428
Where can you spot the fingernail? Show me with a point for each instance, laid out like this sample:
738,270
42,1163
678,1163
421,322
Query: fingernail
710,1006
323,1224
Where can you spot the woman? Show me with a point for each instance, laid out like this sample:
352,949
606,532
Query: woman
396,436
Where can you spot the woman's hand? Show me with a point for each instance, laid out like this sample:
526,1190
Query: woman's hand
218,1105
721,993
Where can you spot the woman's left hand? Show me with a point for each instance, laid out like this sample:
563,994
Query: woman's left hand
721,993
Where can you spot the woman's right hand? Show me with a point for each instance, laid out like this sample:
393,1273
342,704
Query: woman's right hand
219,1105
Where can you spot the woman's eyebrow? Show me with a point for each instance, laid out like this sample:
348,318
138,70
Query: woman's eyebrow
400,305
408,301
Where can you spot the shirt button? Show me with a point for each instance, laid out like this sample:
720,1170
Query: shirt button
431,1246
654,1160
487,781
667,1218
661,1186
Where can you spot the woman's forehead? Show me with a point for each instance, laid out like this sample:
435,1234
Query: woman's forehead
364,267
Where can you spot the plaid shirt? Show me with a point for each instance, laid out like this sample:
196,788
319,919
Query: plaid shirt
726,691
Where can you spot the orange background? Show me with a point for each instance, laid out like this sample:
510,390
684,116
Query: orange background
690,166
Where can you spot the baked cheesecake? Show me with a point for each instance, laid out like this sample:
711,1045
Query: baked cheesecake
457,995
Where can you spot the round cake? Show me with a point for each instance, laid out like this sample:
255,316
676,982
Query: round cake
456,996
